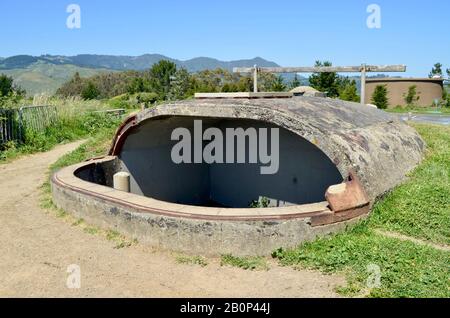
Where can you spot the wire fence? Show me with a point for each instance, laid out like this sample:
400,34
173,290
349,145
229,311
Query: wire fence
14,122
10,125
37,118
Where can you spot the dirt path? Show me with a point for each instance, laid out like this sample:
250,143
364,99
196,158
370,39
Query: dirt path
37,248
440,247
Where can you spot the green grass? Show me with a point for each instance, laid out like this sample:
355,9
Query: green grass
407,269
91,230
97,145
419,208
191,260
248,263
120,240
78,222
418,110
65,130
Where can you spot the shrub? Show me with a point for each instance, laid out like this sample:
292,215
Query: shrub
10,94
445,98
73,122
90,91
7,86
247,263
260,203
146,98
379,97
412,96
278,84
126,101
349,92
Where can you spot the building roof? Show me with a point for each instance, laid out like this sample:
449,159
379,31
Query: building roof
404,79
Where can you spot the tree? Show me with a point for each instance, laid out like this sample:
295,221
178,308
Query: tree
211,81
7,87
109,84
266,82
295,82
412,96
74,87
436,70
90,91
137,85
245,84
325,82
160,77
10,94
146,99
349,92
379,97
181,86
448,72
278,84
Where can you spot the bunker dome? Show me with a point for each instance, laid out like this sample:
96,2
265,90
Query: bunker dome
242,176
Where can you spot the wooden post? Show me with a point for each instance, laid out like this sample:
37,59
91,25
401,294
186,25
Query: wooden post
363,84
363,69
323,69
255,79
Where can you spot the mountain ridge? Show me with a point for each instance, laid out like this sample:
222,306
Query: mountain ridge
126,62
45,73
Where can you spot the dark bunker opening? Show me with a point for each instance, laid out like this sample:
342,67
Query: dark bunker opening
304,172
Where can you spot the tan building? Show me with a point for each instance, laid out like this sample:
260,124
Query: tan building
428,89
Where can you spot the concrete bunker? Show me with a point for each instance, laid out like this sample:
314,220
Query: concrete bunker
303,175
335,159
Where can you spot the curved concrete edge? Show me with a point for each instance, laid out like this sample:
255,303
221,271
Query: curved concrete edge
191,229
381,153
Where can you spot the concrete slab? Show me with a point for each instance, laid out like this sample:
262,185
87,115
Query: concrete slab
249,95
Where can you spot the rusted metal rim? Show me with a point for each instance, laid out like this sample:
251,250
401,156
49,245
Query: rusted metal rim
344,201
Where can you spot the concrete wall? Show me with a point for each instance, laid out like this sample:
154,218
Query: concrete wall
304,175
193,236
429,89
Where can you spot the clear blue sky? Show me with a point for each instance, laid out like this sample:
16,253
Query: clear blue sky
289,32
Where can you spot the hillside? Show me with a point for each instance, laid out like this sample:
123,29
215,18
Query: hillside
45,73
47,78
121,63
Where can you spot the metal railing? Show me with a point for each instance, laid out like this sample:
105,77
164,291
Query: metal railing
10,125
37,118
14,122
